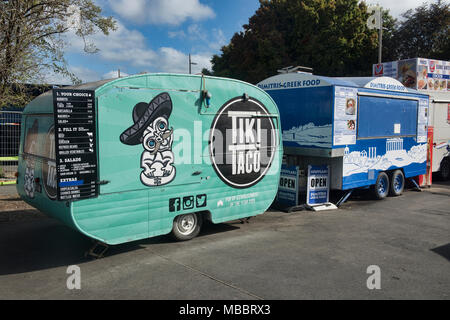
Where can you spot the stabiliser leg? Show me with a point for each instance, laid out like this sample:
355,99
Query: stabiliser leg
245,220
416,185
97,251
344,198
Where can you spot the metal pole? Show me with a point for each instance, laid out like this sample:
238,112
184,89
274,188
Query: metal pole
190,64
380,49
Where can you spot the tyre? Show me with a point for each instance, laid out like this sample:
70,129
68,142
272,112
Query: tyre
397,184
444,171
381,187
186,226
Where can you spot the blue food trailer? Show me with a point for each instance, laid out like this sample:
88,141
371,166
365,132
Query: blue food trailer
369,131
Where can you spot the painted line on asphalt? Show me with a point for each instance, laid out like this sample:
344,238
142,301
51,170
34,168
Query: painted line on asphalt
207,275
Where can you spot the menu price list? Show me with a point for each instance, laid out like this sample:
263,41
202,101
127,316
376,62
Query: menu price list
345,116
75,143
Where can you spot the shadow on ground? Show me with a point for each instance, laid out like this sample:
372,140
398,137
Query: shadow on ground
45,243
443,251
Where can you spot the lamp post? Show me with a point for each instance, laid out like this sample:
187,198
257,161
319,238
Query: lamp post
190,64
375,21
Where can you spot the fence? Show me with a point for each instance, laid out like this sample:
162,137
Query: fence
9,145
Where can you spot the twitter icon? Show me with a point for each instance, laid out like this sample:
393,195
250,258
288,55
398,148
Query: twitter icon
200,201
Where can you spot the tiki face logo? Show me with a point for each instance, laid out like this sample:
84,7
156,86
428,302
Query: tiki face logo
243,142
151,129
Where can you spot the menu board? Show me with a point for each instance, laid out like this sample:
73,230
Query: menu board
422,121
417,73
75,144
345,116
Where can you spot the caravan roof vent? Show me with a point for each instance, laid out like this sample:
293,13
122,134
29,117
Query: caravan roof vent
298,69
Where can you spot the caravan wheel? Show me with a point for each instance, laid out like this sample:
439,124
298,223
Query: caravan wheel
381,188
187,226
444,171
397,183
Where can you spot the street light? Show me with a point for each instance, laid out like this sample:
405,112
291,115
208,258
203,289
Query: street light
190,64
375,21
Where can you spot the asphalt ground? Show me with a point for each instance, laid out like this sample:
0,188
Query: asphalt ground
277,255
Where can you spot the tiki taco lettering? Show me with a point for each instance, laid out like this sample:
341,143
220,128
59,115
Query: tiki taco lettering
246,142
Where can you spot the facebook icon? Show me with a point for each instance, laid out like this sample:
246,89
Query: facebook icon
174,204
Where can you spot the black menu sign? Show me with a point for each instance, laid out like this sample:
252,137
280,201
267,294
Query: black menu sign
75,144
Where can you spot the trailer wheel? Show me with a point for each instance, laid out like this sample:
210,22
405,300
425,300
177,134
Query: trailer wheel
444,171
381,188
397,183
186,226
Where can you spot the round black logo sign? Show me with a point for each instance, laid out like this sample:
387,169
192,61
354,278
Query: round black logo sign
243,142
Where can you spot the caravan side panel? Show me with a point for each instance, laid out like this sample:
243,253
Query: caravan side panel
388,137
146,189
306,115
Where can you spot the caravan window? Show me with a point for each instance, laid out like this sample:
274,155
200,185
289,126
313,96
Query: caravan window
39,137
380,117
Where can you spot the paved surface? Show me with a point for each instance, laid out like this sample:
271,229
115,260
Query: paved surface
301,255
8,190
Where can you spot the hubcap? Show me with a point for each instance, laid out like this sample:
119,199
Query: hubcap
398,183
186,224
382,187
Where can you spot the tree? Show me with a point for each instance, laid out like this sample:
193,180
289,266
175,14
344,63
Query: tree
206,72
389,42
330,36
424,32
31,41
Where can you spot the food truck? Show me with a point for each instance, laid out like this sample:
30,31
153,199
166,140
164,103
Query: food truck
431,77
147,155
440,133
369,131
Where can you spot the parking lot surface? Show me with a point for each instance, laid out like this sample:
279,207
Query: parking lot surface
301,255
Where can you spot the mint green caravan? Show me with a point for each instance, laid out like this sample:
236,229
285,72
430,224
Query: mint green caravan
163,152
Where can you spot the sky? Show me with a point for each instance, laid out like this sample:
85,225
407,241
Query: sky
158,36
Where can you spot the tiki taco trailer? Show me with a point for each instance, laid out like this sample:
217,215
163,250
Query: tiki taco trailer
147,155
369,131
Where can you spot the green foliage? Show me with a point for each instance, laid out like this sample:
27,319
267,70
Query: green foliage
389,41
424,32
31,42
330,36
206,72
